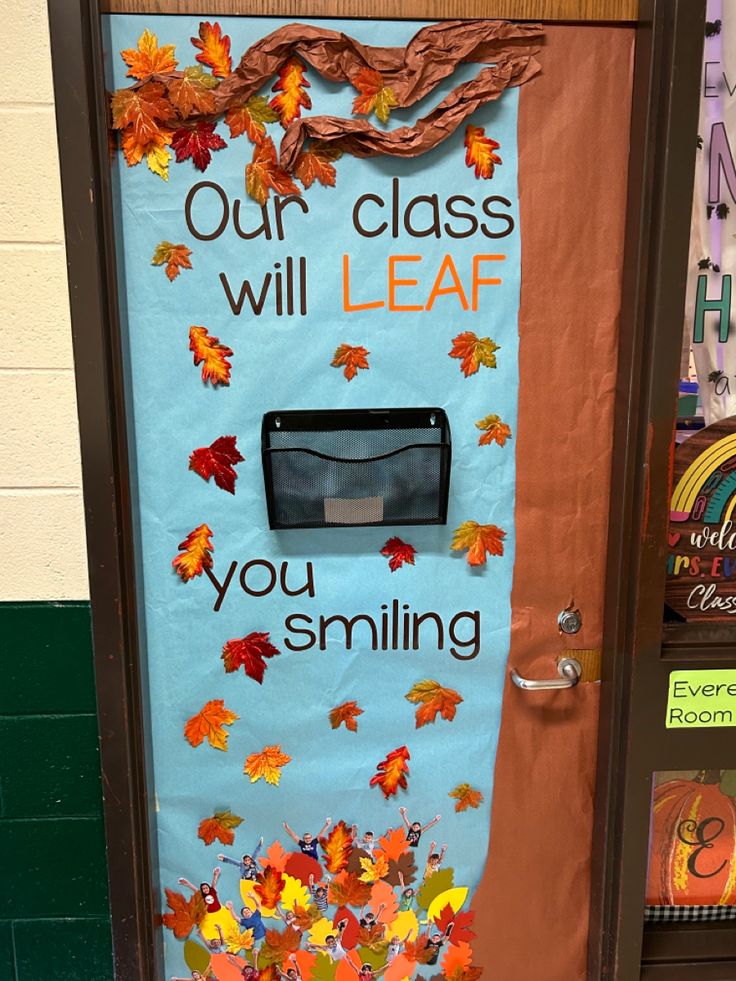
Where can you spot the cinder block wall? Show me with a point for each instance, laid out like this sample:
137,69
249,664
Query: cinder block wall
53,910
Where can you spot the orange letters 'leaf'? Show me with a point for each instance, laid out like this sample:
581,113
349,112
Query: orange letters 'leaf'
208,724
474,351
211,355
337,846
347,713
374,96
197,142
192,92
457,956
275,856
249,653
398,552
175,257
185,915
214,48
478,539
350,358
461,922
291,86
315,164
346,889
494,431
218,460
392,772
142,109
393,844
266,764
148,58
269,887
220,826
466,796
195,554
479,151
251,118
432,699
263,174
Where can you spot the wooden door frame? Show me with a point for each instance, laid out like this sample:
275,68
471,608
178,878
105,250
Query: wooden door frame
660,179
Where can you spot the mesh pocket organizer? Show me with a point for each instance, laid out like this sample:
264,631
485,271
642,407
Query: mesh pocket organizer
346,467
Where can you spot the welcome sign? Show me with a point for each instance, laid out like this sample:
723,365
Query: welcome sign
319,244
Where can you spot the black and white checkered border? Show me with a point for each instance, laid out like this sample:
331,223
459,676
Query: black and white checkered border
677,914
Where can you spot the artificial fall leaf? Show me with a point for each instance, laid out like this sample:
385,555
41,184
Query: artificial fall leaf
346,889
417,950
197,142
479,151
141,110
478,539
154,151
474,351
461,923
214,48
235,941
185,913
350,358
374,96
315,164
347,713
373,871
291,86
208,724
175,257
195,554
269,973
305,916
249,653
220,826
269,887
466,796
218,460
275,856
263,174
404,867
148,58
336,847
278,944
267,764
393,844
251,118
470,973
494,431
372,937
211,355
192,92
433,700
398,552
392,772
457,957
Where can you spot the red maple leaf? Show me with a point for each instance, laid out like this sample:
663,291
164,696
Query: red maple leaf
197,142
461,923
249,653
398,552
217,460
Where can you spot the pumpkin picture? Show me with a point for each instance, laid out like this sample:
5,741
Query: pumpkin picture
693,843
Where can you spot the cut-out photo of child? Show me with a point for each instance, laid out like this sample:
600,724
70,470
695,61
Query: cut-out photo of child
434,860
308,842
246,865
208,891
415,829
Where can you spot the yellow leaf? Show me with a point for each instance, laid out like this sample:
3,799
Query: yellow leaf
373,871
478,539
266,764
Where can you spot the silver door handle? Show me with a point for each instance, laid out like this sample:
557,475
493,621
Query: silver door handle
568,668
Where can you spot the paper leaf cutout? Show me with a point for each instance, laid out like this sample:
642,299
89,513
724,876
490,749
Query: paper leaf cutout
393,844
154,150
478,539
217,460
269,887
301,866
185,913
346,889
373,871
479,151
176,258
433,700
275,856
398,552
142,111
405,865
494,431
196,957
195,554
192,92
251,118
263,174
291,86
433,886
197,142
315,164
466,796
336,847
461,922
374,96
347,713
208,724
211,355
350,358
474,351
457,957
249,653
220,826
392,772
267,765
214,47
382,895
148,58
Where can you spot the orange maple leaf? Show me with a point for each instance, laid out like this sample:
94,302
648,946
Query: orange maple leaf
315,164
393,844
282,942
432,699
337,846
275,856
479,151
266,764
493,431
269,887
375,95
192,92
251,118
185,915
398,552
176,258
263,174
154,150
392,772
466,796
219,826
417,951
142,110
208,724
346,889
350,358
148,58
347,713
474,352
291,86
214,48
211,355
195,554
478,539
457,957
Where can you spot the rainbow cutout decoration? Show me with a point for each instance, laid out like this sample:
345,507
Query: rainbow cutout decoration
707,489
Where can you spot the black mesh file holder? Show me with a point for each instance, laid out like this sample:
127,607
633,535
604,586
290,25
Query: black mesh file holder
351,467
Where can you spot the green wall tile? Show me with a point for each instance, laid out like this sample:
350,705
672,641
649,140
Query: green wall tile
45,658
63,950
49,767
7,960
